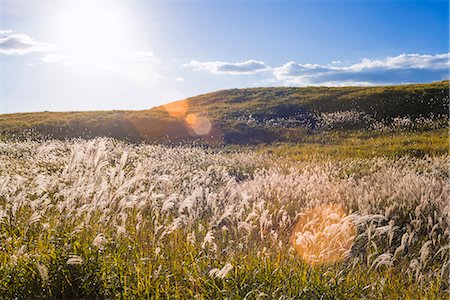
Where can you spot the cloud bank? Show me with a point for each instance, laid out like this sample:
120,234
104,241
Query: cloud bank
391,70
19,44
404,68
220,67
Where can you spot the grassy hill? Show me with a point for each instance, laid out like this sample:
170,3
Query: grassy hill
252,116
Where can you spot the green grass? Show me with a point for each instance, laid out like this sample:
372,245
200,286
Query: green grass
130,268
143,263
338,145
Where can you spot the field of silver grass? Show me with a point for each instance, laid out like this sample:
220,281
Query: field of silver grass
118,219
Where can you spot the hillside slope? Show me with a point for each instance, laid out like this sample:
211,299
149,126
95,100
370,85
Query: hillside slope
252,115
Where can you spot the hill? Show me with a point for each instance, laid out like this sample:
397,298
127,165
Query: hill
251,116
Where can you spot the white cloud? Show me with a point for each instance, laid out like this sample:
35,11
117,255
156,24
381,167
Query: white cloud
397,69
141,56
20,44
220,67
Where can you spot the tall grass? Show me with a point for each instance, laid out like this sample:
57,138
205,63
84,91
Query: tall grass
104,219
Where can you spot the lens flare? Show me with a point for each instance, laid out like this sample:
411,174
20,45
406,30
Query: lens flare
177,109
324,235
201,125
194,125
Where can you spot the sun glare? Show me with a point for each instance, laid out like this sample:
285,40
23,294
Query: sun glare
93,32
177,109
324,235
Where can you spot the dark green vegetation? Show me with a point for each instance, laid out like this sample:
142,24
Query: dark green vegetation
251,116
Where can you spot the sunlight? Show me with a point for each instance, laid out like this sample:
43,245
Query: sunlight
201,125
93,32
324,235
177,109
196,125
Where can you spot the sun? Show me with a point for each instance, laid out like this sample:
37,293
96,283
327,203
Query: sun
93,31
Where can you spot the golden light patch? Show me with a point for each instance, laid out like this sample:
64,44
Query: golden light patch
323,235
191,119
199,124
177,109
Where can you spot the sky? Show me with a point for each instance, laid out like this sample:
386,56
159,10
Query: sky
104,55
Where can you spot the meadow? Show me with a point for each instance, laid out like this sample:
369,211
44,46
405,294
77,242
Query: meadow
264,193
107,219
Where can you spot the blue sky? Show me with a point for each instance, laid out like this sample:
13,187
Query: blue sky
81,55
